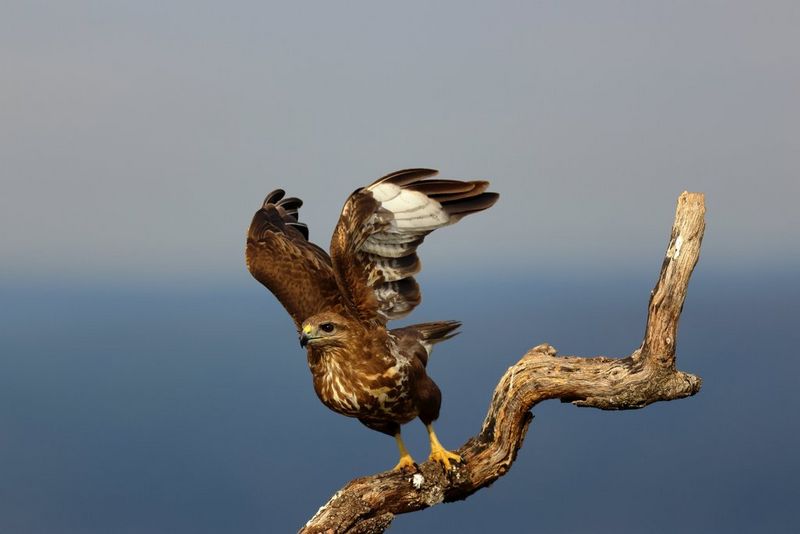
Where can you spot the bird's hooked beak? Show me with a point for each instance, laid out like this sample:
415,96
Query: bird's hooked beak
304,335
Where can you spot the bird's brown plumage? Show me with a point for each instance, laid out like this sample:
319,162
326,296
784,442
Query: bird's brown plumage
342,302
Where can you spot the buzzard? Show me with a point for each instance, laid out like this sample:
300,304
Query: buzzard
341,303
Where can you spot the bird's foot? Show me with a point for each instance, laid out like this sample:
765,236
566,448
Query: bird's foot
406,463
444,457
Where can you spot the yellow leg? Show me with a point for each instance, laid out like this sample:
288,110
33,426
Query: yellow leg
439,453
406,461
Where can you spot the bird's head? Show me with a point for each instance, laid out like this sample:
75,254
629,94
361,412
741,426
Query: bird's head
325,329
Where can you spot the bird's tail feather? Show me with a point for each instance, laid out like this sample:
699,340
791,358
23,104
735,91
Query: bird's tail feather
437,331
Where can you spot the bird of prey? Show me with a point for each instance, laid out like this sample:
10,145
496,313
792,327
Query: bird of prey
341,303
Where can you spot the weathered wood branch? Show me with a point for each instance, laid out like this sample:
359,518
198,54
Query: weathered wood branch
367,505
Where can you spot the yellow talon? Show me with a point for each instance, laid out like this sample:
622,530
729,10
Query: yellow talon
444,457
439,453
406,461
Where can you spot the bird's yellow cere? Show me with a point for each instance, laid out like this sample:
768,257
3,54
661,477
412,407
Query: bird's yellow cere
307,329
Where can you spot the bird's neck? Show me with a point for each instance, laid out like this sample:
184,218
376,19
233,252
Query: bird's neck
321,357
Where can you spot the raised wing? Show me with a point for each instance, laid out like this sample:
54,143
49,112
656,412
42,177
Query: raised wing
375,242
280,256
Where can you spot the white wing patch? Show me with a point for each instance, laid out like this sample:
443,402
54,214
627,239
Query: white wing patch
390,245
412,211
384,191
384,223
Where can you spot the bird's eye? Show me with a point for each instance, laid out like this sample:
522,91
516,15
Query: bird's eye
326,327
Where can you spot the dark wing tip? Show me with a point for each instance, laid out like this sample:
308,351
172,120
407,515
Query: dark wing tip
471,204
273,197
288,208
290,203
406,176
277,214
444,191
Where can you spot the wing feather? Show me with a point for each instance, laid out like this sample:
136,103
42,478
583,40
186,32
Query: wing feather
279,255
374,245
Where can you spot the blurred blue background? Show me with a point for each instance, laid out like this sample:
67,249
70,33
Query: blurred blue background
149,385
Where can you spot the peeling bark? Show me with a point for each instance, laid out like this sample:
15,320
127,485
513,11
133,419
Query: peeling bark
367,505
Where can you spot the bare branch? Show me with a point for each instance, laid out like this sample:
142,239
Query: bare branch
367,505
666,300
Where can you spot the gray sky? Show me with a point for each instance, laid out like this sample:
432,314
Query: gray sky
137,138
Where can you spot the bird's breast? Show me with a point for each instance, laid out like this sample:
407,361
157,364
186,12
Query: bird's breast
367,387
